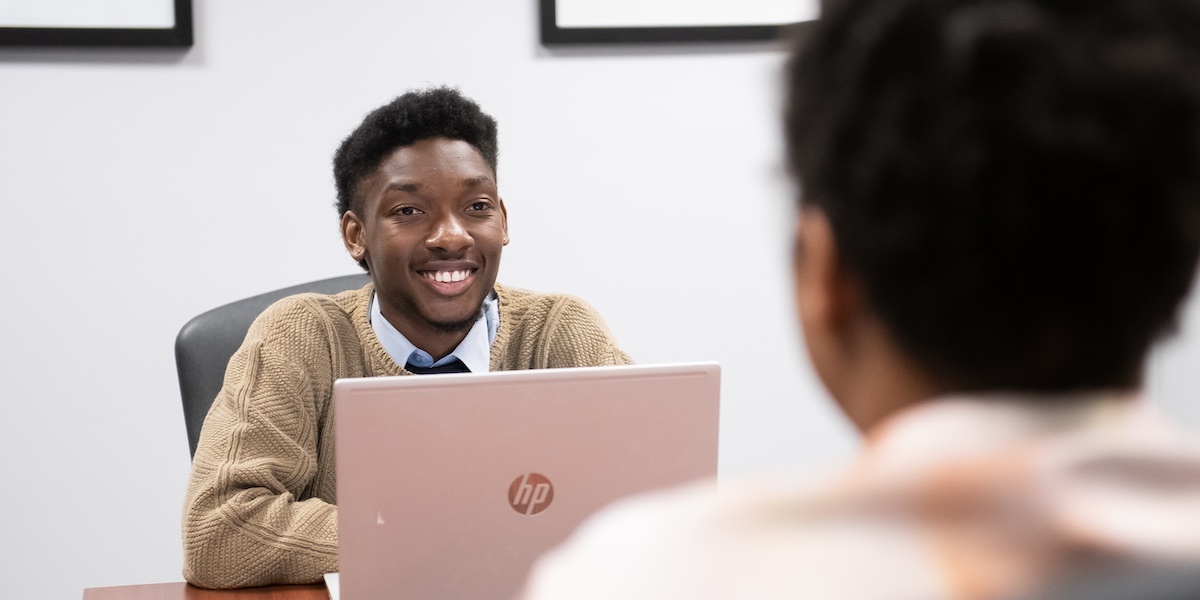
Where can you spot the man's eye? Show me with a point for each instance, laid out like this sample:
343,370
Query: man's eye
481,205
406,211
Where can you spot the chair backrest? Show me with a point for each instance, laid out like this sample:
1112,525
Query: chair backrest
205,344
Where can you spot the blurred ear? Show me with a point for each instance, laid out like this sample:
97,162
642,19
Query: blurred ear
827,300
851,349
820,283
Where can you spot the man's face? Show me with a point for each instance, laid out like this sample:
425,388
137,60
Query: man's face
431,231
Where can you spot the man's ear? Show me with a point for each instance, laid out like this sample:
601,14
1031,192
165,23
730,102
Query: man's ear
352,236
824,295
828,303
504,220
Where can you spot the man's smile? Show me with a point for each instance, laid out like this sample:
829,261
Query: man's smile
447,276
449,280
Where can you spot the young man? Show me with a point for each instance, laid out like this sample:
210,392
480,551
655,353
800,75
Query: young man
420,211
1000,213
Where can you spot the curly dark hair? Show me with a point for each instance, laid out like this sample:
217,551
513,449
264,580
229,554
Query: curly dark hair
414,116
1016,183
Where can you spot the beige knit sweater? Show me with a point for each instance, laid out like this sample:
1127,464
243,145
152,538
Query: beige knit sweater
260,503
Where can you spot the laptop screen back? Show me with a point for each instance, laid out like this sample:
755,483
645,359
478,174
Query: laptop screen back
449,486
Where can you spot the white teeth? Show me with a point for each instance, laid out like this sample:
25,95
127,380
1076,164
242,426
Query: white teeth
447,276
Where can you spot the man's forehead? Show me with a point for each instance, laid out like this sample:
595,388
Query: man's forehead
411,167
437,147
409,183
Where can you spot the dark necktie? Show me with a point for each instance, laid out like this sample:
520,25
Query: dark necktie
454,366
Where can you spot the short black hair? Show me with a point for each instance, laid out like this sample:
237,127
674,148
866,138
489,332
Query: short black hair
414,116
1016,183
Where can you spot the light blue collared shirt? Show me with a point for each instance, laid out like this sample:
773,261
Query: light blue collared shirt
474,351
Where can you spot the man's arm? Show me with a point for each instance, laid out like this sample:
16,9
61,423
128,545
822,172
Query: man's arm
257,509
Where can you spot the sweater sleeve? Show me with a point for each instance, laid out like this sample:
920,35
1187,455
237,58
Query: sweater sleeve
250,515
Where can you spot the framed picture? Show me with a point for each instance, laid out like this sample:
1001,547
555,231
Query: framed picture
669,21
166,23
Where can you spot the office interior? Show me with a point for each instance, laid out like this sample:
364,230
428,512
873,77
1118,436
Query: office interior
142,187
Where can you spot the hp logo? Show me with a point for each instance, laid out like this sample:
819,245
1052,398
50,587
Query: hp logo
530,493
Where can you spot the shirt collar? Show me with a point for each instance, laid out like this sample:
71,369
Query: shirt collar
474,351
957,426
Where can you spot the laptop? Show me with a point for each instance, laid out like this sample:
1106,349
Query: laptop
449,486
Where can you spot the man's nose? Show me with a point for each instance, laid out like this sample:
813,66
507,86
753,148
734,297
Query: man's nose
449,235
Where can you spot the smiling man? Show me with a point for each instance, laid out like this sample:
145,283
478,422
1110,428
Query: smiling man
421,212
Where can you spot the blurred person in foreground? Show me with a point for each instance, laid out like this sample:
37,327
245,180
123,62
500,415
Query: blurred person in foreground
999,214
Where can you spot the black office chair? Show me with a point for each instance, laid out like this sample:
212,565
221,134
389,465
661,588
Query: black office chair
205,344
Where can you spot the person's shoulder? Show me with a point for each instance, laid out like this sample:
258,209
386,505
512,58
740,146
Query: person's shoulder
685,542
309,302
629,549
299,314
562,329
524,299
555,309
763,537
702,509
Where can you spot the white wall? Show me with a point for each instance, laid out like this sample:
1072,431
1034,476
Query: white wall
140,188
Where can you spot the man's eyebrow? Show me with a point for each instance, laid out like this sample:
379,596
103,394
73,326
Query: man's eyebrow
404,186
477,181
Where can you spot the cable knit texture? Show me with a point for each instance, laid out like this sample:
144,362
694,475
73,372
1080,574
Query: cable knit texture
260,506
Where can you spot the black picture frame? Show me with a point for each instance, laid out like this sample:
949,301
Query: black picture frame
177,36
552,34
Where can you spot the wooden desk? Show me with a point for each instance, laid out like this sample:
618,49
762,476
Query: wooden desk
183,591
